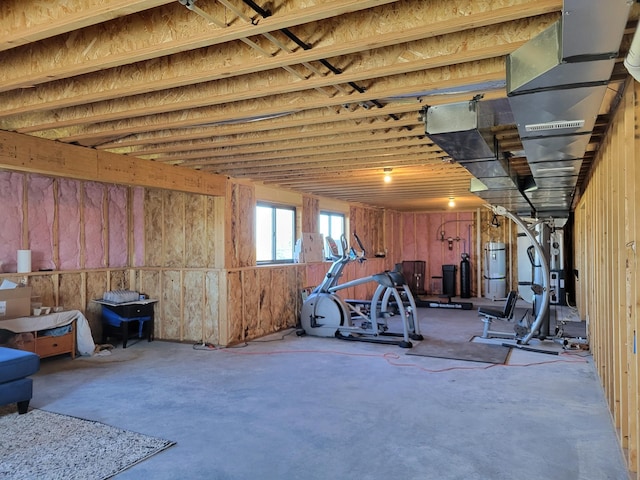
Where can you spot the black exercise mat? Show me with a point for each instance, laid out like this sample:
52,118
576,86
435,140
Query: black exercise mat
463,350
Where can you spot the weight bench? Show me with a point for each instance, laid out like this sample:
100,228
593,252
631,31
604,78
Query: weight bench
505,314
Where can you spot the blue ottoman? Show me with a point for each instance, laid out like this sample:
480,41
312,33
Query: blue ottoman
15,367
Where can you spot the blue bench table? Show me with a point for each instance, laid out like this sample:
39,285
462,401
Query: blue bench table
118,318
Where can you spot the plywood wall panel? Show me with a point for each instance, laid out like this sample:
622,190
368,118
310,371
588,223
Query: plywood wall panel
234,320
174,229
193,306
118,280
149,283
95,285
252,292
171,318
315,273
213,241
195,231
293,299
213,314
310,214
70,286
44,288
153,228
266,299
284,309
247,239
240,232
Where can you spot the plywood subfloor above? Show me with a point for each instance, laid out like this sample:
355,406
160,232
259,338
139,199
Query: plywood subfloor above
319,97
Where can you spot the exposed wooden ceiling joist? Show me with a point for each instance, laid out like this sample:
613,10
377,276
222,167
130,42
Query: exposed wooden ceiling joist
312,96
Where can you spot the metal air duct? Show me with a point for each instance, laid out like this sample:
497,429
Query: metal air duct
464,131
555,84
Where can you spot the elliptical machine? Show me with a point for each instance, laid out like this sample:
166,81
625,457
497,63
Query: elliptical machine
325,314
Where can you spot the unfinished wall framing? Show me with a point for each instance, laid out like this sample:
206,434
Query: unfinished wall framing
607,220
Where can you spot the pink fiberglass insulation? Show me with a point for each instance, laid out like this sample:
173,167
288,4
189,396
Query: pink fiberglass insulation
138,227
40,211
11,189
117,226
69,221
93,225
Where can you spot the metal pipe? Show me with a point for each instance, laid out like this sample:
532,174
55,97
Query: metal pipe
237,11
263,13
478,255
191,5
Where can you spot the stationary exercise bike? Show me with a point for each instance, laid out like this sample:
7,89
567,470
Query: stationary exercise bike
325,314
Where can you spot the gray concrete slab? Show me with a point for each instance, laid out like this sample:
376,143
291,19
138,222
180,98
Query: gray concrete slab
320,408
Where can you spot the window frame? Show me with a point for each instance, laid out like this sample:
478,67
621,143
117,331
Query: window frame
332,214
275,207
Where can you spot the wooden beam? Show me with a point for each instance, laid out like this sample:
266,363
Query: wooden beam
293,155
29,154
480,44
481,72
237,89
323,118
275,139
56,17
167,30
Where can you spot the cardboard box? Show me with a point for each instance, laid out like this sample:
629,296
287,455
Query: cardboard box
311,248
15,302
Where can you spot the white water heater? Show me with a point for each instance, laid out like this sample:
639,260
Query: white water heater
495,270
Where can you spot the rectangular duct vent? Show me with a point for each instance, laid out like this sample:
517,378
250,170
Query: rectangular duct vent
538,127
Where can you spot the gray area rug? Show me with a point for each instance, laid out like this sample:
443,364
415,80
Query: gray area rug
462,350
50,446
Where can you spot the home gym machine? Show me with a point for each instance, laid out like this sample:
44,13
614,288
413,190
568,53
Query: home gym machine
525,330
325,314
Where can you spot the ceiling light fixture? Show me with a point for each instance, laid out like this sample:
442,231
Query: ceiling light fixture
452,203
387,175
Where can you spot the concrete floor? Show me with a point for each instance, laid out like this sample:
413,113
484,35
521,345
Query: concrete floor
321,408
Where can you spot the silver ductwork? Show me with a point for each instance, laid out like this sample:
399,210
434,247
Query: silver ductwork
556,83
464,131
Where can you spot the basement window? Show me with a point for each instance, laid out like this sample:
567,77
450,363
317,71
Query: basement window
275,233
332,225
